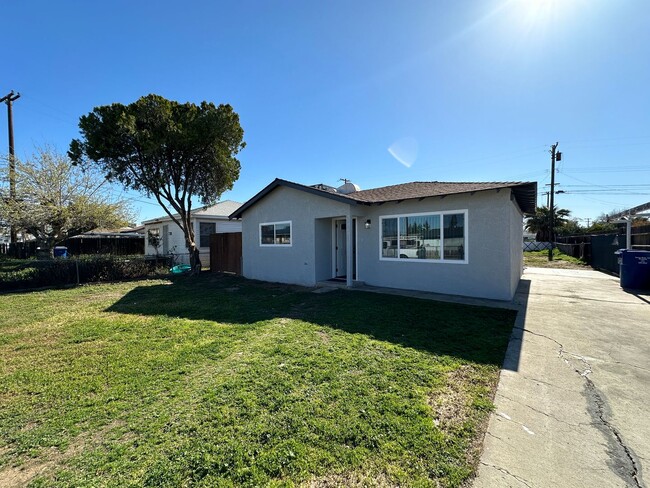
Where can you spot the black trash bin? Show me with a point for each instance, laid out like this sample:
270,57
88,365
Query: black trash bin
634,269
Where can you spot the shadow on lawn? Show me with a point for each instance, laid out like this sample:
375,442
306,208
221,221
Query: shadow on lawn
475,334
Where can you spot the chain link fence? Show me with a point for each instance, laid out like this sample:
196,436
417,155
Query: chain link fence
17,274
536,246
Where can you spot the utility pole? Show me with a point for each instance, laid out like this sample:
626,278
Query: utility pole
9,100
554,155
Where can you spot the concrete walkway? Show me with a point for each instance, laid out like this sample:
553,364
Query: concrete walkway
573,402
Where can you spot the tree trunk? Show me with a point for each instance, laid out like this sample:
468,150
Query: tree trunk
190,244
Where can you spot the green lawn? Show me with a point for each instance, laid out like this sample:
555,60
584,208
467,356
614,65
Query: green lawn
539,259
216,381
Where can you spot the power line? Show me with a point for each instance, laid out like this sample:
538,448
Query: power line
618,204
581,180
610,193
608,186
607,139
607,169
51,107
66,117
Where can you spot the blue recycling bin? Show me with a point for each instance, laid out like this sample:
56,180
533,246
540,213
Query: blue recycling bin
60,252
634,269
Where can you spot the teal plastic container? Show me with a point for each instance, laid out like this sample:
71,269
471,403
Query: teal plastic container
181,269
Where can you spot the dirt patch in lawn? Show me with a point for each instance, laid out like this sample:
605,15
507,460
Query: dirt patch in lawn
18,476
354,480
450,404
453,405
554,264
324,336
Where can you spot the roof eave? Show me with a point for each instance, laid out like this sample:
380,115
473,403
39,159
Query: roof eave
526,199
525,194
289,184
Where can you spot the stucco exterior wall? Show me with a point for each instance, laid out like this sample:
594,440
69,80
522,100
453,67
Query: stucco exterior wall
516,248
175,239
323,247
487,273
493,250
288,264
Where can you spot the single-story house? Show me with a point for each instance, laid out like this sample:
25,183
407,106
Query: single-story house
453,238
205,220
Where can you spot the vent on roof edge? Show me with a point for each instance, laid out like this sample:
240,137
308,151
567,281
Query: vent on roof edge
324,187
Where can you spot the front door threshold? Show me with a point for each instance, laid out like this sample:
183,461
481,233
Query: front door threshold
339,283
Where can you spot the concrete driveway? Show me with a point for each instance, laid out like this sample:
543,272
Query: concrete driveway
573,402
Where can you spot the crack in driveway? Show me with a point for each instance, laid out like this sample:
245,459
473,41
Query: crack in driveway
623,465
505,471
541,412
622,458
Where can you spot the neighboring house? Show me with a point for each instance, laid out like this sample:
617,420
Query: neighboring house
454,238
138,229
205,220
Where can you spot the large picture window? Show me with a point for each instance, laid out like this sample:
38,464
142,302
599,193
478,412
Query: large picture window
275,234
205,229
426,237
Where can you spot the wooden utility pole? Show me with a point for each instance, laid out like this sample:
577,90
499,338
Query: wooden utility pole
552,204
9,100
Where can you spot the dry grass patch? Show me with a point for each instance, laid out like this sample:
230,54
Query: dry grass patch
25,469
539,259
351,480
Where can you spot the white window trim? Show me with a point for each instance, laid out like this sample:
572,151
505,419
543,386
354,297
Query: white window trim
442,236
274,224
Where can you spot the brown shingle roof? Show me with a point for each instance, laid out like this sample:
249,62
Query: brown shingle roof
525,192
423,189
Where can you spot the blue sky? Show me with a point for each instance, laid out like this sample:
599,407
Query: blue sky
462,90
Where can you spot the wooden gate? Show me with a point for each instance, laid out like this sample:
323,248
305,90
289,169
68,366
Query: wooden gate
225,252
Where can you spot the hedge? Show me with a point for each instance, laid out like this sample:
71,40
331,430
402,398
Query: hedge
33,273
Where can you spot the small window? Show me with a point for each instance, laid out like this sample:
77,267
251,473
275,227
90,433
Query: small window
205,229
275,234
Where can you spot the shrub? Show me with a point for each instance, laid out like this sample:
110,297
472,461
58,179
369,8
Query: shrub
61,272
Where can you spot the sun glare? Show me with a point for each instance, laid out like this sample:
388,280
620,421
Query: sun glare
534,18
535,10
542,6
